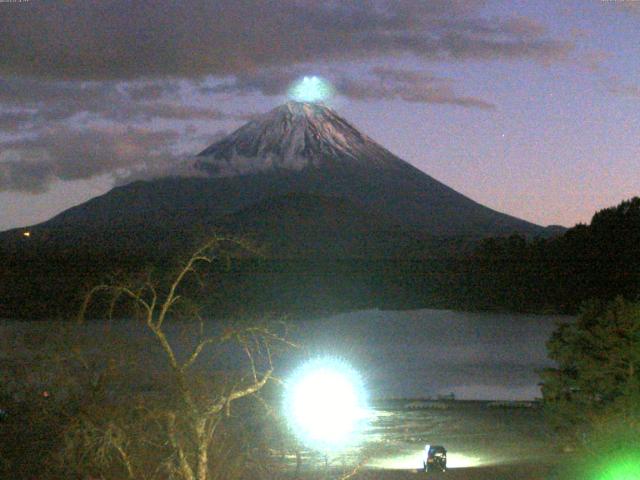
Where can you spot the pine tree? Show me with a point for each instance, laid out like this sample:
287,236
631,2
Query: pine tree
597,379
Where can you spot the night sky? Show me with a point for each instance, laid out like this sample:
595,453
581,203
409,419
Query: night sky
528,107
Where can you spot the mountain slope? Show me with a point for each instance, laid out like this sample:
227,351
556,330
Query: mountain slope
338,213
314,141
295,148
295,136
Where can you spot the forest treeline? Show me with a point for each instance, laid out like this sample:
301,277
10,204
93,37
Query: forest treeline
600,260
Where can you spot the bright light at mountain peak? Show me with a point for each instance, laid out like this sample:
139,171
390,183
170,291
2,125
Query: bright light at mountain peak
311,89
325,404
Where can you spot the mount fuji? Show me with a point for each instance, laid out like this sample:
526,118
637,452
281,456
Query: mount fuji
295,150
321,153
299,180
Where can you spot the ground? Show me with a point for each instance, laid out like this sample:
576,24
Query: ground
500,472
485,441
503,472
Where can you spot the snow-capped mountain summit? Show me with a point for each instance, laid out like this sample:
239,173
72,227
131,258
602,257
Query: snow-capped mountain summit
302,183
293,136
295,151
308,148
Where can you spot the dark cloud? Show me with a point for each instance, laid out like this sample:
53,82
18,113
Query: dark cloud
621,86
66,65
630,6
56,100
52,101
62,145
206,138
594,60
62,153
119,39
626,90
410,86
152,91
170,111
381,83
11,121
268,81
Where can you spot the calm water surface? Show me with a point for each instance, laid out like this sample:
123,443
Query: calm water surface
435,352
400,354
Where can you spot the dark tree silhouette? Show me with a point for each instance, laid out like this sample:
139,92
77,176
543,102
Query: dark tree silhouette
597,379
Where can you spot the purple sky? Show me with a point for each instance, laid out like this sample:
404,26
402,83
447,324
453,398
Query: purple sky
529,107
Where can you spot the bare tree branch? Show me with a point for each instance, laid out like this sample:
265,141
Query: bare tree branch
192,423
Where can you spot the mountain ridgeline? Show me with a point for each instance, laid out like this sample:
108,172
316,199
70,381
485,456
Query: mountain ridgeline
300,148
342,223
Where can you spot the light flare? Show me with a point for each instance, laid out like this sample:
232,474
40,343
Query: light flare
325,404
311,89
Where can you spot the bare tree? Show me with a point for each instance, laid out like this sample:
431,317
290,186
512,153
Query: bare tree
167,396
182,426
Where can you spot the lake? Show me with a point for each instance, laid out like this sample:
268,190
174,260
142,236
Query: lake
400,354
420,353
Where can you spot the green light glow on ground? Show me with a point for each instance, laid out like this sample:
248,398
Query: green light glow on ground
612,453
311,89
624,468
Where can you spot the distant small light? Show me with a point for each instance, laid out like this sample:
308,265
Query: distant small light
26,234
311,89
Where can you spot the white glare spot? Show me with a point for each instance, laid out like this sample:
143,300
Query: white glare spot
325,404
310,89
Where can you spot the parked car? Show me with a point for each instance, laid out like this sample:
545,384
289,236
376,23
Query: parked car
435,458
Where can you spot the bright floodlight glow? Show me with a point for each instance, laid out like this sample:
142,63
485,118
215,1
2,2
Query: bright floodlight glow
325,404
311,89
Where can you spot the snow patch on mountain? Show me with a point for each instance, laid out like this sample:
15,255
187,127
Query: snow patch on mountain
293,136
